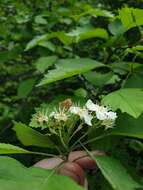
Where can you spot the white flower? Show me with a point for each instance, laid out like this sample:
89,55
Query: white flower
82,113
101,111
91,106
59,116
103,114
112,115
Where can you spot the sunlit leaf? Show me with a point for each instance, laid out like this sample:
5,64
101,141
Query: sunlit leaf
66,68
127,100
131,17
11,149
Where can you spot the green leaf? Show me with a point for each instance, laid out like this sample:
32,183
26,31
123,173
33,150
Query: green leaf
101,79
25,88
66,68
93,33
83,33
131,17
116,173
39,19
95,12
61,35
44,63
11,149
15,176
116,27
127,100
128,126
69,38
31,137
136,79
80,92
49,45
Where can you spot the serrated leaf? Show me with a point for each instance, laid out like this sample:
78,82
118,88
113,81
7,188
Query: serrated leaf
15,176
127,100
31,137
66,68
44,63
116,173
11,149
131,17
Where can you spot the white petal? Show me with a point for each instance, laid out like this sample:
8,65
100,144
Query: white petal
88,118
112,115
91,106
101,115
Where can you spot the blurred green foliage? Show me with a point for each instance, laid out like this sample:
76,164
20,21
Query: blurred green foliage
35,35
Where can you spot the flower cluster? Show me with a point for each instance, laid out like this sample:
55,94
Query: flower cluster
103,114
90,114
68,122
94,111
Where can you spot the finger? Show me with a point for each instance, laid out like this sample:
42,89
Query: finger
49,163
70,174
85,161
75,169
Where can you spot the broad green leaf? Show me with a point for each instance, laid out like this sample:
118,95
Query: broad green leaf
49,45
131,17
61,35
95,12
128,126
116,27
11,149
66,68
101,79
25,88
15,176
86,32
135,80
44,62
127,100
94,33
123,68
116,173
31,137
68,38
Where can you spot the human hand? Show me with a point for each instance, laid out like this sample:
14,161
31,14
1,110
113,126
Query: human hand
74,167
